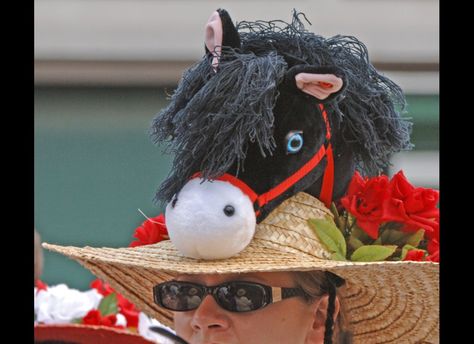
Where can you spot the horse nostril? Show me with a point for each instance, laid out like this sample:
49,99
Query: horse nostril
173,202
229,210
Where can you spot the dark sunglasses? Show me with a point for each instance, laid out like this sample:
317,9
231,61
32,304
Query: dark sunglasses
234,296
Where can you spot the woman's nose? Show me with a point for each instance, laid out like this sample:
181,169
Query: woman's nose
209,315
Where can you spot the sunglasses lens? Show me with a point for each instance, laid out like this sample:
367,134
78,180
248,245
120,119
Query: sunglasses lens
180,296
241,296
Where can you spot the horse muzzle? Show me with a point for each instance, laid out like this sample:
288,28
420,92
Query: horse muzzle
210,219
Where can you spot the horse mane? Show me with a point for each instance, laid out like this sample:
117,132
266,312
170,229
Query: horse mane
213,116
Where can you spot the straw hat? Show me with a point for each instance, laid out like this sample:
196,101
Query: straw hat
386,301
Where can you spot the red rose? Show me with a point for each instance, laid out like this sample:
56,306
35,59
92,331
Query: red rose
415,207
94,317
129,310
356,185
131,315
400,186
415,255
151,231
422,201
365,200
433,246
109,320
430,225
433,250
433,257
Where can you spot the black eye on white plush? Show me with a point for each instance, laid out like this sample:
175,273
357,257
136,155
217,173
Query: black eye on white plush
294,141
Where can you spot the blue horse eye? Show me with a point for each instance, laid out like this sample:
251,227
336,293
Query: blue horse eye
294,142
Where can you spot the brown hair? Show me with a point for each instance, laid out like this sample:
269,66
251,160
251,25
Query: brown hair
319,283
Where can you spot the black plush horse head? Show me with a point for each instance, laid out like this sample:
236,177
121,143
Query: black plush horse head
269,111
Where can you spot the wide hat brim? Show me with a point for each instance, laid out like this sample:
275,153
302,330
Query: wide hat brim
385,301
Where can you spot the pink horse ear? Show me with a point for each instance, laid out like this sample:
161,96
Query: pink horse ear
214,34
319,86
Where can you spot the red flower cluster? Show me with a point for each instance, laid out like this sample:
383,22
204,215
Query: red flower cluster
94,317
378,200
127,308
151,231
40,285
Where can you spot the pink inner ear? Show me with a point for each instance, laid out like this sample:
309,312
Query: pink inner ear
214,37
319,86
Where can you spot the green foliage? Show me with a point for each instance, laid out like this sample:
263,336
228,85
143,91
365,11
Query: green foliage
345,240
330,236
373,253
108,305
416,238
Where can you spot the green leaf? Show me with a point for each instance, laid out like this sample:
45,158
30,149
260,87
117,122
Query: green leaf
338,257
108,305
354,242
405,250
329,235
373,253
76,321
415,238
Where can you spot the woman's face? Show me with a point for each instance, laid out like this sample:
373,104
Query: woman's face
291,320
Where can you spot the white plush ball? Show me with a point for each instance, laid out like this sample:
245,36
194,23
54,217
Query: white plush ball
210,220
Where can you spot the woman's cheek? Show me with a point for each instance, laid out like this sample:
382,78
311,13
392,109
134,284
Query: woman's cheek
272,325
182,324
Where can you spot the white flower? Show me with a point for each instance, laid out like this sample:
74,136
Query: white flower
144,323
121,320
59,304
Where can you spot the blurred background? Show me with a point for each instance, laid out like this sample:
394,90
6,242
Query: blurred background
103,69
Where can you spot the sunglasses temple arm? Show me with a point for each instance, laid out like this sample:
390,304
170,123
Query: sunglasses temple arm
170,335
276,294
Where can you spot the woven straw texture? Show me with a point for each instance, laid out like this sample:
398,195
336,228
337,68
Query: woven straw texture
386,302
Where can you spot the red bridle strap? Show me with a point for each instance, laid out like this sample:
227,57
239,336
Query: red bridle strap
234,181
293,179
328,177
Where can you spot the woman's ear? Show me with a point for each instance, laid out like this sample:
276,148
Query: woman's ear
320,308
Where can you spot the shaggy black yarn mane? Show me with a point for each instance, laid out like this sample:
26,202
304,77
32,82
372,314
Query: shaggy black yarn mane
214,115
